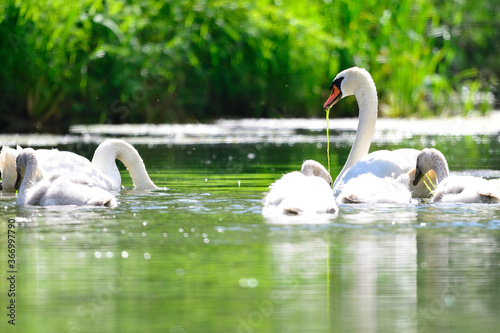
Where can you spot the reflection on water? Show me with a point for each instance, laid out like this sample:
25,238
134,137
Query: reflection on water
197,256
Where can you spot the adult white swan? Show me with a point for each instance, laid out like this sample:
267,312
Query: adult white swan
368,188
58,188
8,167
101,172
305,192
383,163
457,189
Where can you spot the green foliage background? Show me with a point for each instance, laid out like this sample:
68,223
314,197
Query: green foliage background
111,61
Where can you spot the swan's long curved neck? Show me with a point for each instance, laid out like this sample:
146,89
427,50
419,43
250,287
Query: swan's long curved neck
366,95
28,179
106,154
441,169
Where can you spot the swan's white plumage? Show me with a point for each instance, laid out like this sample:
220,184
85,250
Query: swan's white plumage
53,160
455,189
368,188
101,172
105,159
305,192
380,164
466,189
58,188
8,167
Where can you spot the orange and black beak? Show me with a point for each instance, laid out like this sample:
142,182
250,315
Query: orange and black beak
418,176
335,96
19,180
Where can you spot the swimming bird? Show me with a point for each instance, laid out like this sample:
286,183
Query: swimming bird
102,171
454,189
381,164
58,188
368,188
306,192
8,167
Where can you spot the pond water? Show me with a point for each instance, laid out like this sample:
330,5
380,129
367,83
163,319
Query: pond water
197,256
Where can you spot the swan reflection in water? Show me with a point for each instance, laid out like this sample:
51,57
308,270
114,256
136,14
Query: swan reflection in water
357,274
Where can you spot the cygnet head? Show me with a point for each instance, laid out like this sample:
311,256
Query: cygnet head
26,156
431,159
314,168
347,83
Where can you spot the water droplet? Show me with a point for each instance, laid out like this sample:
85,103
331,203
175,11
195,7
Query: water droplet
206,241
144,223
181,230
193,230
109,254
404,322
248,282
63,238
143,234
147,255
251,156
124,254
97,254
177,329
186,234
179,271
204,235
165,234
449,300
252,282
42,238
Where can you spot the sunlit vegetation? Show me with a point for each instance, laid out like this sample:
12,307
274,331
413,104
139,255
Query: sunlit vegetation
153,61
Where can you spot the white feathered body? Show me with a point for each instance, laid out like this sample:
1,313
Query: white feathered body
295,193
466,189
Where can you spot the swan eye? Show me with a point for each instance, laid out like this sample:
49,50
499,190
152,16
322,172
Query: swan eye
337,83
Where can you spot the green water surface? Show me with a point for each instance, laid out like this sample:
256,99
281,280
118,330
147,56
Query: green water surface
197,256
